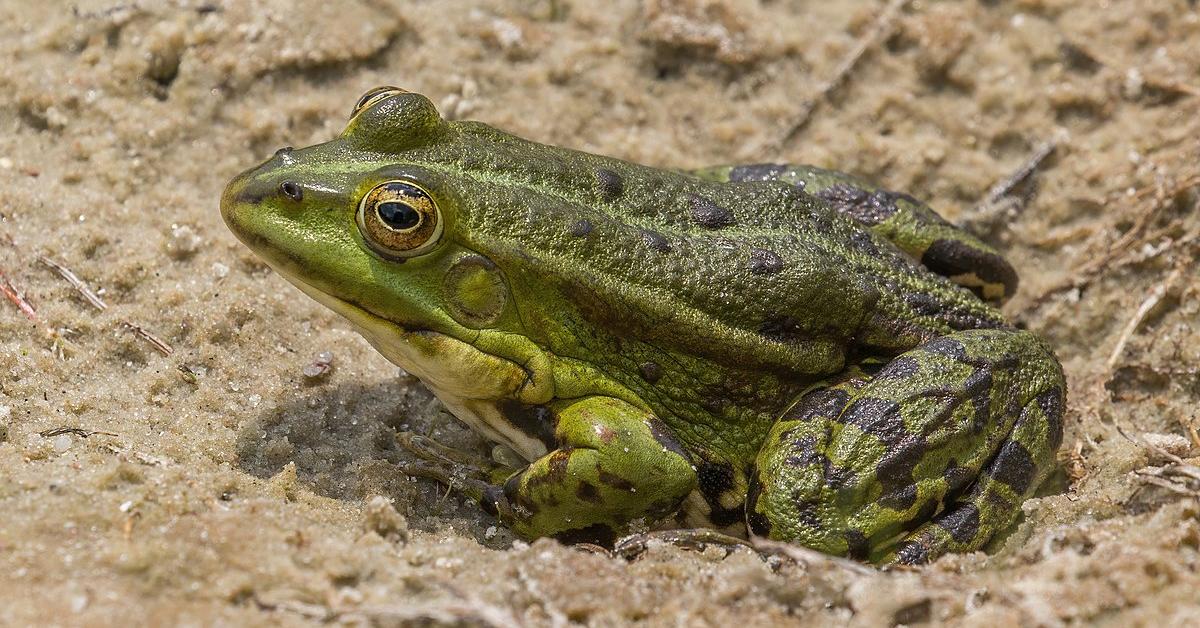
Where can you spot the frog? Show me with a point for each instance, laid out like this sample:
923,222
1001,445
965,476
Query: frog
766,350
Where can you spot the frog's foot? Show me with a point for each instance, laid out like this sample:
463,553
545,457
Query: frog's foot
698,539
613,463
933,454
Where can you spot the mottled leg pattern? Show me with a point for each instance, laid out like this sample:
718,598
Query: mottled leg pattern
932,454
994,501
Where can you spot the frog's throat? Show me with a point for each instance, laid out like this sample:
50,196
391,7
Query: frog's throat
469,382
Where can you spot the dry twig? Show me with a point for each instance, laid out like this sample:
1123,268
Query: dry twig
1005,186
1148,304
1119,252
881,28
75,431
154,341
1179,476
77,283
10,291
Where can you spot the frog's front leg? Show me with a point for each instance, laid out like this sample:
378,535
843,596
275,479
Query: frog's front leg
614,463
935,453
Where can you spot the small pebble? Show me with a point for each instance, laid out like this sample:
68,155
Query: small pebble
381,517
320,366
184,242
1173,444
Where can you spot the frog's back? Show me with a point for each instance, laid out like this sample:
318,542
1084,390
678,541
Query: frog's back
758,274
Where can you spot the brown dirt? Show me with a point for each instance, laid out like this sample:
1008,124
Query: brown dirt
229,487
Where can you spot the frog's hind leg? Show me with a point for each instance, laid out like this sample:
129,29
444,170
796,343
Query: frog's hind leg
908,223
934,453
993,502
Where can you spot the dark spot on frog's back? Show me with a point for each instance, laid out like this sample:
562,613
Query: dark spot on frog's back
716,478
947,347
708,214
610,185
824,404
514,494
580,228
650,371
862,241
756,172
765,262
557,465
807,510
868,208
912,553
656,241
900,498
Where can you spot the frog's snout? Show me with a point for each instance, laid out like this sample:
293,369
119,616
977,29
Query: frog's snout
242,202
235,201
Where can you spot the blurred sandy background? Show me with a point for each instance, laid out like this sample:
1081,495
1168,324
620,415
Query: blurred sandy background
221,484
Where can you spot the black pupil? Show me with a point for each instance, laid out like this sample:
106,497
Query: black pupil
398,215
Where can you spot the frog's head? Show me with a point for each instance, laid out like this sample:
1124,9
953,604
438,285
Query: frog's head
369,231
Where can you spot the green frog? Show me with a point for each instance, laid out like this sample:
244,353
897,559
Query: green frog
770,349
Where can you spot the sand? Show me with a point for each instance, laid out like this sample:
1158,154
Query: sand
237,481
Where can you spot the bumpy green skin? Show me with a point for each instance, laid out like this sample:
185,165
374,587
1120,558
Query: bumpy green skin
779,348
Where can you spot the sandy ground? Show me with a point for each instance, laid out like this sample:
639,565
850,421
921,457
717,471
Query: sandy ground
221,484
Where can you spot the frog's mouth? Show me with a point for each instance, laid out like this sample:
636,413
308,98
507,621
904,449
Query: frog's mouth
471,383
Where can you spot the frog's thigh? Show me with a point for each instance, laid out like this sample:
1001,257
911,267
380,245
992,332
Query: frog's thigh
614,463
935,453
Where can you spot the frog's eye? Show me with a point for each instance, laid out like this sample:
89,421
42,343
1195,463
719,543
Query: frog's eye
375,95
398,219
